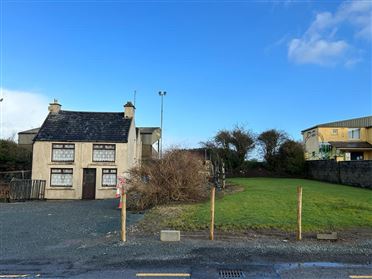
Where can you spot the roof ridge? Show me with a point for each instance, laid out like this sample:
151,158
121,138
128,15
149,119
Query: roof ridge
358,122
97,112
351,119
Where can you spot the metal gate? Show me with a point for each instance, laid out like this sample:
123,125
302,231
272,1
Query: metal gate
26,189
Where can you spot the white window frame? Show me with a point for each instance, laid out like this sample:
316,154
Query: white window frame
108,171
98,147
63,146
61,171
351,133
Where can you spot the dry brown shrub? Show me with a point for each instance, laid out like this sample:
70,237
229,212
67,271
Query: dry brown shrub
177,177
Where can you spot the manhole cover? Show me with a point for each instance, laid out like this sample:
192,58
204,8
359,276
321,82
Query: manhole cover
231,273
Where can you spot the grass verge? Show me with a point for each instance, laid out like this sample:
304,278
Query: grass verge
270,203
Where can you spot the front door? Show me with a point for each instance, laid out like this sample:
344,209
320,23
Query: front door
89,184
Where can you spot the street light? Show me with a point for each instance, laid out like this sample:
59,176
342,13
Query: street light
161,94
1,119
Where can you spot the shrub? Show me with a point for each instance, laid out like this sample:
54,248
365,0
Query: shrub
291,156
13,157
178,177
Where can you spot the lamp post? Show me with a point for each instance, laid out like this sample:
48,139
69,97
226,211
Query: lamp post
161,94
1,118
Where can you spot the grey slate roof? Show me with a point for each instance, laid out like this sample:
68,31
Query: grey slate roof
351,145
85,127
361,122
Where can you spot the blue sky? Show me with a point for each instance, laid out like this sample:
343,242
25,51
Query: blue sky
264,64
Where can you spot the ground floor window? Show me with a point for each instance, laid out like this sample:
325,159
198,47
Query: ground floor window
356,156
61,177
109,177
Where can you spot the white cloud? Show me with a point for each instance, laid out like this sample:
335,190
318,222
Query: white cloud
319,44
321,52
21,111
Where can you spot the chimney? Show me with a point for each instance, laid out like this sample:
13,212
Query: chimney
129,110
54,107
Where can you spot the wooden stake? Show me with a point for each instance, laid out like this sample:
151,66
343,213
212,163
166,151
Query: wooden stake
211,233
123,216
299,213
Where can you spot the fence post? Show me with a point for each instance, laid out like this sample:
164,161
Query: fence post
299,213
223,176
211,232
123,215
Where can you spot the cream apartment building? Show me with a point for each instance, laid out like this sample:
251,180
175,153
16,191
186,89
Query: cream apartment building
344,140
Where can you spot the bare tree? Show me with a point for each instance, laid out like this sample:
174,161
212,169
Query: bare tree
223,139
270,142
243,141
232,146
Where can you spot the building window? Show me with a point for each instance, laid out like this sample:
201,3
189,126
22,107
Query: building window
103,152
334,131
109,177
354,133
61,177
63,152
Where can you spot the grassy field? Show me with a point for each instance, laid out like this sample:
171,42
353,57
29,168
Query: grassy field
270,203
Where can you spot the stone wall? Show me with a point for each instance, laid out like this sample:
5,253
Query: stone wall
354,173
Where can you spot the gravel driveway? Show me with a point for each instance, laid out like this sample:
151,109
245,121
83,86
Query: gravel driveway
44,229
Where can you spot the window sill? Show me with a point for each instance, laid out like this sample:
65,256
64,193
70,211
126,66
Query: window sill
103,164
60,188
107,188
61,163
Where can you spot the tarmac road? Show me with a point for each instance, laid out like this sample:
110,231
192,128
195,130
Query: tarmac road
80,239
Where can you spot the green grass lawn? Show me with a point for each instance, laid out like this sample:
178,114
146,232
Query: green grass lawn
271,203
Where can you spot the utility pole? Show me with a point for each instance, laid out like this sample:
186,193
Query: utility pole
1,117
161,94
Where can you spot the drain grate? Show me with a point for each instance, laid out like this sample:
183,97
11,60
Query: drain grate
231,273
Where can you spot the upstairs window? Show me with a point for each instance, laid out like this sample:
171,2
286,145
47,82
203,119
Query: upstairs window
354,134
61,177
334,132
103,152
63,152
109,177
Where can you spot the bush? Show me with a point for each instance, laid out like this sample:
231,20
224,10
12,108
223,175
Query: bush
291,156
178,177
13,157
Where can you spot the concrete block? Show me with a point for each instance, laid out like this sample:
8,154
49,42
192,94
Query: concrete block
170,235
327,236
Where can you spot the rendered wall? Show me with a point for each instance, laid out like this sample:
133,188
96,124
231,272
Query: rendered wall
42,164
